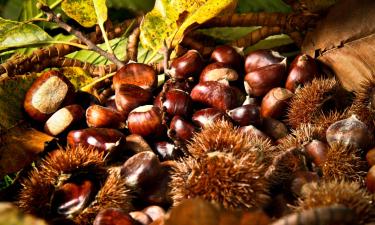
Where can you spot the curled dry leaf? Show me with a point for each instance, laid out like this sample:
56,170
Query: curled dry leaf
344,41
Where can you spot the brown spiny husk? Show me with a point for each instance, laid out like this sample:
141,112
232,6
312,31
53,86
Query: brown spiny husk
225,166
363,104
309,101
224,137
221,177
299,137
344,163
346,193
323,121
61,165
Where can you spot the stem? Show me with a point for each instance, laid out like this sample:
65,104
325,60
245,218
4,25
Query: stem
256,35
132,47
105,37
52,6
91,46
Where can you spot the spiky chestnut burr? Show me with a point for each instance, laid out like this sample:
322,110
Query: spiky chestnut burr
344,163
70,166
310,100
323,121
225,166
364,103
349,194
299,137
229,180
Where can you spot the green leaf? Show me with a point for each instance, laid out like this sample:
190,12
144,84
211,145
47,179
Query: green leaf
169,20
133,5
15,34
262,6
82,11
23,10
101,14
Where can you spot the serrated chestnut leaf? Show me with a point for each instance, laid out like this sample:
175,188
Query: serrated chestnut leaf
188,65
214,94
47,94
261,58
303,69
246,115
99,116
129,97
63,118
103,139
139,74
146,121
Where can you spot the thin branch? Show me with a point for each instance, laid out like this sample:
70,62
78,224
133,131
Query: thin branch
132,47
256,36
91,46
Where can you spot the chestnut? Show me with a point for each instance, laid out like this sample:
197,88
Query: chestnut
274,128
303,69
261,58
141,169
218,72
246,115
129,97
154,212
181,128
370,157
317,150
47,94
72,197
258,82
370,180
63,118
110,102
136,143
167,151
146,121
205,116
275,102
139,74
99,116
227,55
177,102
215,94
188,65
141,217
253,131
301,178
350,131
113,216
103,139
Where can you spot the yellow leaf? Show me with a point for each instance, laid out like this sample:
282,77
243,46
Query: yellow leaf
170,19
83,11
78,76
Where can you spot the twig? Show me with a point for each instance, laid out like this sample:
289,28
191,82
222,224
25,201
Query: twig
132,48
91,46
256,36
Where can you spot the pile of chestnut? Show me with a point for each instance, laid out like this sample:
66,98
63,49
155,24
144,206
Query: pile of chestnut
251,91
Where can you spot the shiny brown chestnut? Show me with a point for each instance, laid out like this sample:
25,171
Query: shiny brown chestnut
261,58
246,115
350,131
370,180
370,157
177,102
103,139
218,72
188,65
139,74
136,143
71,198
141,169
47,94
215,94
154,212
129,97
63,119
258,82
205,116
303,69
317,150
146,121
181,129
274,128
110,102
141,217
227,55
275,102
253,131
167,151
113,216
99,116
